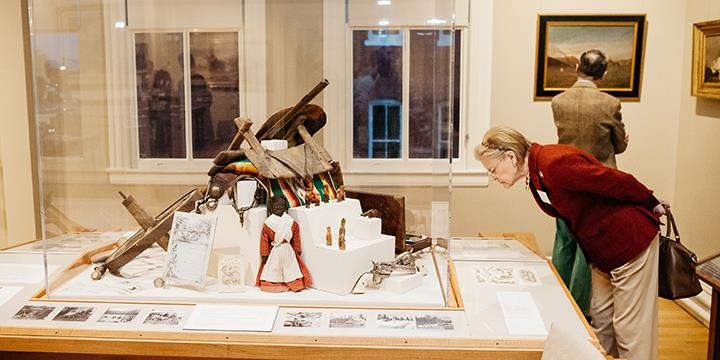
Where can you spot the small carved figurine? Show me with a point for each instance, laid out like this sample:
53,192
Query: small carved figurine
341,235
341,193
281,268
308,197
328,237
326,194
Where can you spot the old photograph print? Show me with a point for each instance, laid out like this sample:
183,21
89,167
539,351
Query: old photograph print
119,315
566,43
434,322
395,321
348,320
33,312
712,59
163,318
302,319
74,313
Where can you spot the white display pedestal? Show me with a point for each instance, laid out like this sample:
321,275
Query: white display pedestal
233,239
334,270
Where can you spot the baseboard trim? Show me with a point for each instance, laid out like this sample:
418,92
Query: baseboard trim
699,306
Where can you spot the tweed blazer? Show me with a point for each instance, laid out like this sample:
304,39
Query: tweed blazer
590,119
608,211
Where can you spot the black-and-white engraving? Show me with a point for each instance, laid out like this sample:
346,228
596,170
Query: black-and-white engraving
74,313
434,322
189,250
33,312
528,276
119,315
163,318
396,321
302,319
505,275
348,320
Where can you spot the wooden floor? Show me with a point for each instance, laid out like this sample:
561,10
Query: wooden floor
680,336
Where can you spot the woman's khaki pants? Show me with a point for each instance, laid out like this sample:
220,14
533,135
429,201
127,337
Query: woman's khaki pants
624,307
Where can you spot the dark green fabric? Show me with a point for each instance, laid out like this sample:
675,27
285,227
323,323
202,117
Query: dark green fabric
570,262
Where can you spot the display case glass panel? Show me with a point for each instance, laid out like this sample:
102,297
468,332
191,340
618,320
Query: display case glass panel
139,103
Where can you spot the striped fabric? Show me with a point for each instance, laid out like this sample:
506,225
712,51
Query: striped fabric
292,189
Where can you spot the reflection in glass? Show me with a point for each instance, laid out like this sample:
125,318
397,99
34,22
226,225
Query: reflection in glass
377,93
213,90
57,83
430,53
160,109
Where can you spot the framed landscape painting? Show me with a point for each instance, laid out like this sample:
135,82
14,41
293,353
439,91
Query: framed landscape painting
561,39
706,59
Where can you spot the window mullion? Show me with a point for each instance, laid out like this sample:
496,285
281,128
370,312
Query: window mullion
405,110
186,95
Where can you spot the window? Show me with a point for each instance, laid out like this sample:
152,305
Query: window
386,63
174,123
384,133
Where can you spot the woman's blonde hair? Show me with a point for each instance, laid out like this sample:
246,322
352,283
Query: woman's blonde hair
501,139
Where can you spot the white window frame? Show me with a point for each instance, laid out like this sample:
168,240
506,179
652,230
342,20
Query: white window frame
386,103
126,167
476,44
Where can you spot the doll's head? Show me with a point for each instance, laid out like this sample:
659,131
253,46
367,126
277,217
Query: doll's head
277,205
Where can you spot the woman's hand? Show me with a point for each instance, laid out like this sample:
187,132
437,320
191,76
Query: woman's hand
659,209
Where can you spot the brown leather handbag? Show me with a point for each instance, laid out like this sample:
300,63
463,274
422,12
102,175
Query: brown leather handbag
677,278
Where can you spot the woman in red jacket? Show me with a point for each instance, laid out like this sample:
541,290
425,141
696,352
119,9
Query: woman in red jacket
615,220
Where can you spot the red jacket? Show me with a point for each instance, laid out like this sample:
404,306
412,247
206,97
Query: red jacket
608,211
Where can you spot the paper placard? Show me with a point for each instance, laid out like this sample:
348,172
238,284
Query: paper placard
232,318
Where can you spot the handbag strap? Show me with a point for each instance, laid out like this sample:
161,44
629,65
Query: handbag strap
671,227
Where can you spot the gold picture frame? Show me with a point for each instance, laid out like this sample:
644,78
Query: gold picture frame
706,60
561,39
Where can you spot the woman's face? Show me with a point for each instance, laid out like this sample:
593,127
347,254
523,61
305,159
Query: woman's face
504,170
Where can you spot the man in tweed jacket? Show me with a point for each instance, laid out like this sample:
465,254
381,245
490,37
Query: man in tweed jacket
591,120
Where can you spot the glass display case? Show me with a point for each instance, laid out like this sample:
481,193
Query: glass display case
262,172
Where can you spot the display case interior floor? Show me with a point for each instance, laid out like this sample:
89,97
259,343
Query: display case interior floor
136,285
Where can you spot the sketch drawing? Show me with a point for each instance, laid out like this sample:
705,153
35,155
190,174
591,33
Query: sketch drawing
119,315
302,319
74,313
396,321
348,320
189,250
505,275
33,312
434,322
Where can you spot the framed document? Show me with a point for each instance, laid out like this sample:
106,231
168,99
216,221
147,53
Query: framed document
188,252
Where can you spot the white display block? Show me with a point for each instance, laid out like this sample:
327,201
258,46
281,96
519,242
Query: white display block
275,144
334,270
364,228
401,284
245,239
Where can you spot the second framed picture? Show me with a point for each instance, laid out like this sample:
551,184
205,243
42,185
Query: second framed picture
706,59
561,40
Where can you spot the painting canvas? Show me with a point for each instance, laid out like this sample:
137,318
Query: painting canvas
563,38
706,59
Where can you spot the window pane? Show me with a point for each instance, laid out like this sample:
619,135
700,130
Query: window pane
377,78
430,53
214,91
160,110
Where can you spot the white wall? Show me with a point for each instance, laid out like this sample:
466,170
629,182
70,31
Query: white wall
17,189
697,194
